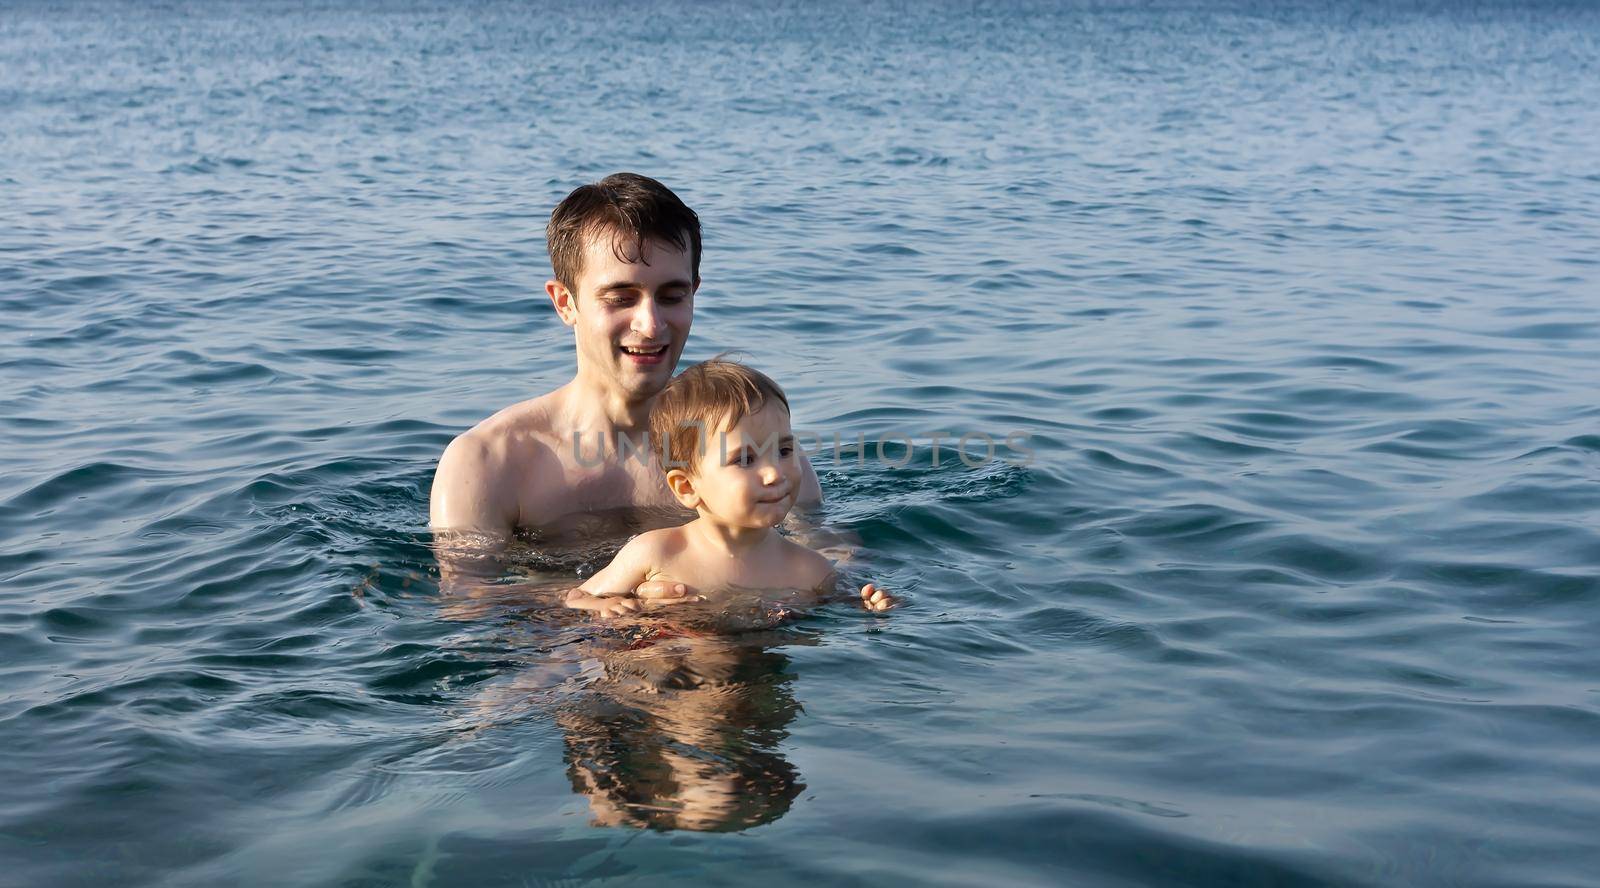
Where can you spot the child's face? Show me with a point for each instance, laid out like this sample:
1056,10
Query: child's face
750,474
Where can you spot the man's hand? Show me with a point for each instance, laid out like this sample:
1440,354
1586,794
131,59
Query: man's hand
875,599
603,606
665,592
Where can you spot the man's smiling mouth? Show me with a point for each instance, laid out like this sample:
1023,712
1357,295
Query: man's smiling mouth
645,358
645,350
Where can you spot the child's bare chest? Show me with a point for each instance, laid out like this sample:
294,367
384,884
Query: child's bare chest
721,575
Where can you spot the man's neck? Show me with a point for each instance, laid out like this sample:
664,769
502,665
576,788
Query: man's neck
590,407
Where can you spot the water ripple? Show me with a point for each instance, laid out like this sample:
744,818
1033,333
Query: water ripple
1294,584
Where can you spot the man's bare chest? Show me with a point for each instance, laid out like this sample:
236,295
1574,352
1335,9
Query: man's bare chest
572,481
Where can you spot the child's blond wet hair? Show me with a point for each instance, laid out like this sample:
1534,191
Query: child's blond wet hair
702,401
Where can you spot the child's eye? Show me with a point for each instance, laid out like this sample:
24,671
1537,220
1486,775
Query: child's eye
786,451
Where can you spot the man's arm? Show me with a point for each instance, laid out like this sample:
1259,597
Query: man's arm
810,488
471,494
803,526
471,515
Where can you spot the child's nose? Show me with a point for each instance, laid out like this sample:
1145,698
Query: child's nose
769,475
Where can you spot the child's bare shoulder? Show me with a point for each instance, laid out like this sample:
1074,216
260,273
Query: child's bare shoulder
652,549
659,542
809,568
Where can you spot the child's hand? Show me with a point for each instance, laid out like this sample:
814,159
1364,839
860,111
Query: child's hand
875,599
603,606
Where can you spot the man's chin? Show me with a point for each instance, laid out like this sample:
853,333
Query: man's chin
658,370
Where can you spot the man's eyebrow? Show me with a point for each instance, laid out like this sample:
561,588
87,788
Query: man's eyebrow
637,285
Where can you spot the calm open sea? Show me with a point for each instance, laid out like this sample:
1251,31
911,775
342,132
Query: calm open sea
1297,302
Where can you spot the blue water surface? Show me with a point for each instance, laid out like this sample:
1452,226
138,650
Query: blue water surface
1297,304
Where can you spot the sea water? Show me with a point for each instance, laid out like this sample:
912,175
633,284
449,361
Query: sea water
1292,579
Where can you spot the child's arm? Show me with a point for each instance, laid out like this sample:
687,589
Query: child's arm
819,574
838,545
614,606
609,591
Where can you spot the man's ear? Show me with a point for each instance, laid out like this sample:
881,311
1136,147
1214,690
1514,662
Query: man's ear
682,487
564,300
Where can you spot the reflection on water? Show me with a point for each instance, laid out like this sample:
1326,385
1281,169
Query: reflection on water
683,732
671,720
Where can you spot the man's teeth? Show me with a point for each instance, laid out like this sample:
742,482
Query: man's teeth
638,350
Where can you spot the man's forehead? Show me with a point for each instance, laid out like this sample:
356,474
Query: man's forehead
606,244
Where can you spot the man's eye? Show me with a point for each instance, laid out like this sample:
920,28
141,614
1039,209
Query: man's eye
671,298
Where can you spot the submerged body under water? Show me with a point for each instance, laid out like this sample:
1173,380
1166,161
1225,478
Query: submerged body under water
671,719
1293,581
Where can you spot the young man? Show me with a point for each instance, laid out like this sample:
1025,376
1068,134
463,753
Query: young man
626,256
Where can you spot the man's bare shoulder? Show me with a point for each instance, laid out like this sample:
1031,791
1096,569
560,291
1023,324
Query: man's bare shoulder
517,426
485,471
508,441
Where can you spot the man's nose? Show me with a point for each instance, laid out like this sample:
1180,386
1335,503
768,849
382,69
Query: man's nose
646,320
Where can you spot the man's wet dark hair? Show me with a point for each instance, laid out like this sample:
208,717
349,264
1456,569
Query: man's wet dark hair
630,208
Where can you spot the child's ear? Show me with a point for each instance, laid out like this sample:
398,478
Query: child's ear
682,487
